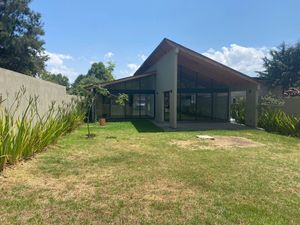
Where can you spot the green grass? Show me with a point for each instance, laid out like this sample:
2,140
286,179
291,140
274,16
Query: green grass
132,173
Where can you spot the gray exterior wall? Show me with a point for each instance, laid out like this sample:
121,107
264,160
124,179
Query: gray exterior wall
47,92
291,104
166,81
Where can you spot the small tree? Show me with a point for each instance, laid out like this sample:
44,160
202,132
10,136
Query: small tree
89,93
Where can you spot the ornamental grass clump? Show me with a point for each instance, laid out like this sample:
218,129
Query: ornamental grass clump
279,122
25,134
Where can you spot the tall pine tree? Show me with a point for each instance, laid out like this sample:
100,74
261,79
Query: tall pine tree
21,46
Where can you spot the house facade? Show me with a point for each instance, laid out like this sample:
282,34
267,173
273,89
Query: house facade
177,84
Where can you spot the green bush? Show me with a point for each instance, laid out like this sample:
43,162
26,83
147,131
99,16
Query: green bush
23,136
279,122
238,111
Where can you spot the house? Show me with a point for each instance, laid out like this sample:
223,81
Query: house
178,84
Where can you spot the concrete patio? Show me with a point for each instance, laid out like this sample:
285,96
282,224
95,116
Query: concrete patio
201,126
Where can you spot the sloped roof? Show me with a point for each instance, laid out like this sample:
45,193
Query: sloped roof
208,68
128,79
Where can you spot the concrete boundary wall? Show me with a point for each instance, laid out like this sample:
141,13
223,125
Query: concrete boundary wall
11,82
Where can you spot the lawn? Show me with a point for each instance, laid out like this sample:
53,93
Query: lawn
132,173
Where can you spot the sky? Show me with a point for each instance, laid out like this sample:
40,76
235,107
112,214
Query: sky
236,33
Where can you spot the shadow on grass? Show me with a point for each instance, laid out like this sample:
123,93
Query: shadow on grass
145,126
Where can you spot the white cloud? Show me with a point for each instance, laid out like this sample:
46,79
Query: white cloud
133,67
142,57
108,55
56,64
244,59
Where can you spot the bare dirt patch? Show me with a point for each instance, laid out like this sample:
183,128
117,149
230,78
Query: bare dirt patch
232,141
218,142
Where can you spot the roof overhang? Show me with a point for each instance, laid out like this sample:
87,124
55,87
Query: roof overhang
128,79
207,68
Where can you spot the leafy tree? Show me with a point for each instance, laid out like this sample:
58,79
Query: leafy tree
21,47
102,72
78,79
97,74
88,87
56,78
85,83
283,66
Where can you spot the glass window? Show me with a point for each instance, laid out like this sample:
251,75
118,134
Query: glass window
133,85
117,111
147,105
148,83
203,105
187,79
188,106
221,106
132,106
119,86
105,106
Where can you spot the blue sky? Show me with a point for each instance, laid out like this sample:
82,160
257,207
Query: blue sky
234,32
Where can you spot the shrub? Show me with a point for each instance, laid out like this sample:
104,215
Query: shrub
23,136
238,111
279,122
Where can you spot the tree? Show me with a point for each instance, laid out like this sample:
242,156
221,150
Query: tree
97,74
56,78
88,88
282,68
21,47
102,72
78,79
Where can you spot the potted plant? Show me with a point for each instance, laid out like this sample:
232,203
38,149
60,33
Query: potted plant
102,121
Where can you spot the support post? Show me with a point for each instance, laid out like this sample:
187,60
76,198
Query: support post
173,109
229,106
251,106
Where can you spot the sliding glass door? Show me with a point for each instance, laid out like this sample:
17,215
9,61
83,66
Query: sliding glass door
137,106
202,106
188,106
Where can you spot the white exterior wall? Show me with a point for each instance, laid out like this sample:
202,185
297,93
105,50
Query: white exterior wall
166,80
47,92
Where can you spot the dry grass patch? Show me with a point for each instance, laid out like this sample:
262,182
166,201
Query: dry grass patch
64,188
153,198
233,141
218,142
125,177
